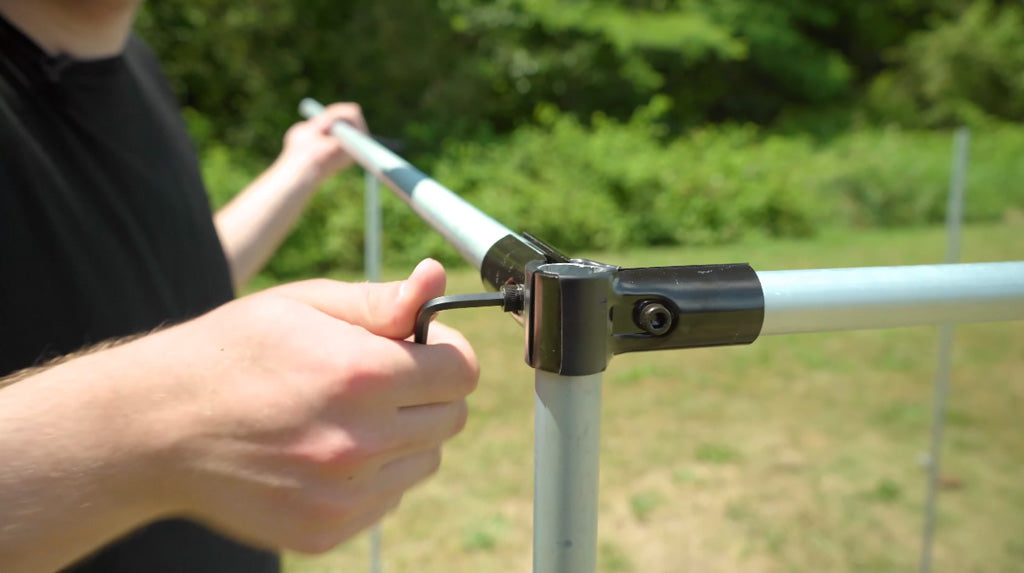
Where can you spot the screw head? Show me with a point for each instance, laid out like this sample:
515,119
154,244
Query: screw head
654,318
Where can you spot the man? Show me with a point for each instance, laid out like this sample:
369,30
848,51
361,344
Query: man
292,418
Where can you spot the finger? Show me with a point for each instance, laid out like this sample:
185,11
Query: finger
384,309
420,428
404,472
387,486
326,536
350,113
367,518
447,368
399,374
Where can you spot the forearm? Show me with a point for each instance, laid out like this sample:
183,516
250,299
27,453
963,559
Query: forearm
255,223
72,463
31,371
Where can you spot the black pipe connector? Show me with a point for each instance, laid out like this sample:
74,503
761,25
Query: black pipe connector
579,313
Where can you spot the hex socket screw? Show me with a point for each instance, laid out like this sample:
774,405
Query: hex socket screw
654,318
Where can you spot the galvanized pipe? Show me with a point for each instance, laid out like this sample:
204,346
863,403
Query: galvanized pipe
567,429
824,300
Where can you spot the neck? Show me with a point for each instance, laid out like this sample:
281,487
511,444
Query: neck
84,29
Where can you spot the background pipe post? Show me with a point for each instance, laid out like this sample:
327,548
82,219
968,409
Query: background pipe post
944,354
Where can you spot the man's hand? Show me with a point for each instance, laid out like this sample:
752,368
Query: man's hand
292,418
310,148
325,415
258,219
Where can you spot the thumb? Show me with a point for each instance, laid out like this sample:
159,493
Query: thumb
385,309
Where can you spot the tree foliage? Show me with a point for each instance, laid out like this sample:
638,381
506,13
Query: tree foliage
964,68
732,113
426,71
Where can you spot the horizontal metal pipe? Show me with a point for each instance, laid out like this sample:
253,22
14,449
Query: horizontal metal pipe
466,228
795,301
887,297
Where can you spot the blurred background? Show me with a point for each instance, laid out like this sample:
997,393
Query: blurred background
680,122
788,134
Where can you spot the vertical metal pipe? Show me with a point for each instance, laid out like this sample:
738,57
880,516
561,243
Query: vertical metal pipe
566,462
957,185
375,549
954,218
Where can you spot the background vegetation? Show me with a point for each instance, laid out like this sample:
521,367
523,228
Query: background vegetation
604,124
797,453
650,127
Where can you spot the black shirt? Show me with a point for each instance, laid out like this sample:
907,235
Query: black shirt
105,231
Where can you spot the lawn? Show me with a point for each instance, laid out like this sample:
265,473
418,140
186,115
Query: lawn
796,453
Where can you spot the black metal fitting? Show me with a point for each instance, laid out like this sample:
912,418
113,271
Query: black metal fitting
579,313
502,269
506,261
710,305
567,325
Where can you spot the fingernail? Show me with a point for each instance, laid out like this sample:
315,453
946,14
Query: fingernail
419,266
405,283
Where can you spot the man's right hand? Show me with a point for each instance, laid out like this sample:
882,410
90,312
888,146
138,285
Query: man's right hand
308,415
292,418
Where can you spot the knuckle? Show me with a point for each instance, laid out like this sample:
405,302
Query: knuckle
461,415
467,367
345,110
339,452
433,462
360,380
351,458
471,371
469,359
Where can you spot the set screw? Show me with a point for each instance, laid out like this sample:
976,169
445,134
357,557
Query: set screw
654,318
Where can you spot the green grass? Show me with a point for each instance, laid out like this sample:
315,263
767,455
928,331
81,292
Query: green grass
716,453
796,453
644,504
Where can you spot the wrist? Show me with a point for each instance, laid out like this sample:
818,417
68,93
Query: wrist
300,174
125,404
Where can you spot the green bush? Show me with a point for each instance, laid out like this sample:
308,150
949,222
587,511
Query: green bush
892,177
886,177
617,184
730,183
328,235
